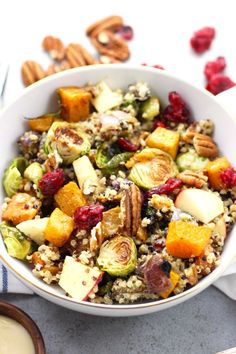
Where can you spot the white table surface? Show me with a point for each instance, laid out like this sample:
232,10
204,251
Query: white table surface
162,32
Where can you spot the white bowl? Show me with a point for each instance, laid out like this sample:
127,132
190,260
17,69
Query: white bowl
41,98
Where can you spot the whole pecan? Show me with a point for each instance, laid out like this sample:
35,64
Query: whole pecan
54,47
77,55
110,23
107,43
194,179
131,208
31,72
204,145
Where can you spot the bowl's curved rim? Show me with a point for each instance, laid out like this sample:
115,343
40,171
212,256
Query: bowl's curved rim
209,279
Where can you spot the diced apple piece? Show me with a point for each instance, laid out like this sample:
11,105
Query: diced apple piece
77,279
34,229
203,205
85,174
220,228
106,98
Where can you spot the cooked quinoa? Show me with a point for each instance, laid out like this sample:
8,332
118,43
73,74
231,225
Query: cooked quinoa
106,196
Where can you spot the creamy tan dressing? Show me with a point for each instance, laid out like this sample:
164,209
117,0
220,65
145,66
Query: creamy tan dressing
14,338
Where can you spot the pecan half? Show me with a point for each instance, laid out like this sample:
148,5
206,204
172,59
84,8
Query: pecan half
105,59
54,47
107,43
131,206
31,72
74,55
204,145
188,136
77,55
194,179
56,68
110,23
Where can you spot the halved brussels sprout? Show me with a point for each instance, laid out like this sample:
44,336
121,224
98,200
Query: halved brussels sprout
68,140
118,256
18,246
105,160
12,178
34,172
151,167
191,161
150,108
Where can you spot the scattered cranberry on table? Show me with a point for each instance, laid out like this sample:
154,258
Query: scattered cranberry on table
219,83
214,67
202,39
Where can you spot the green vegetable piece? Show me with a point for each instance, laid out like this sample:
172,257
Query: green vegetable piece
105,161
150,108
68,140
118,256
12,178
191,161
152,167
105,289
18,246
34,172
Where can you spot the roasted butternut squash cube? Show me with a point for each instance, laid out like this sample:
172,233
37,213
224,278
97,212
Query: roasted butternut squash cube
42,124
69,198
21,207
59,228
75,103
174,278
214,169
164,139
185,240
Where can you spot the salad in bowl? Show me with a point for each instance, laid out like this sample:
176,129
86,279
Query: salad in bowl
118,198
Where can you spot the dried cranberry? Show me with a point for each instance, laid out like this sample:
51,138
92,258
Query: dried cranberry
214,67
86,217
228,177
202,39
158,124
219,83
166,188
126,145
126,32
177,110
156,66
159,244
51,182
155,277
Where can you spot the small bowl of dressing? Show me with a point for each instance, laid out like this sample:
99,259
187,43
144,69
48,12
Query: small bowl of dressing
19,334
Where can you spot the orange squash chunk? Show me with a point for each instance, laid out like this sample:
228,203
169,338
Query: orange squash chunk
214,169
59,228
75,103
164,139
70,197
185,240
22,207
41,124
174,278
